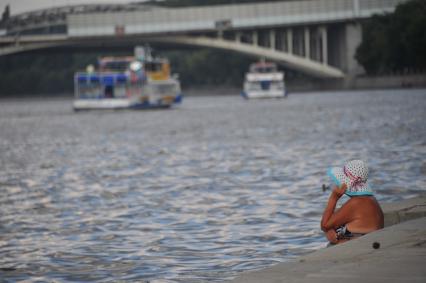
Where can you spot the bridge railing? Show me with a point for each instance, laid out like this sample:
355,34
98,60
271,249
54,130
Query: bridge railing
89,20
236,17
34,21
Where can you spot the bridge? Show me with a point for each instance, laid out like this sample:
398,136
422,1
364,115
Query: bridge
316,37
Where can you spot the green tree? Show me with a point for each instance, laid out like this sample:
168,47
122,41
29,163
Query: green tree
395,42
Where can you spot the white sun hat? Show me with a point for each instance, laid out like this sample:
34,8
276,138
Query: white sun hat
354,174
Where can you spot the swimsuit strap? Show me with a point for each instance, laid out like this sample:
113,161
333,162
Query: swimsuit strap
344,233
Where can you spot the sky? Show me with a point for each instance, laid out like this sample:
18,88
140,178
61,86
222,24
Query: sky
20,6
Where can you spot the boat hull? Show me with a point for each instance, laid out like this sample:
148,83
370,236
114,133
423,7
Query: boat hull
123,103
264,85
263,94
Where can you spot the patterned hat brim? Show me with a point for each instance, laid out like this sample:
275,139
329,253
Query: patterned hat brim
338,177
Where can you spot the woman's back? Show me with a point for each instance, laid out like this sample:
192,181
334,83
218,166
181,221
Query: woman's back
367,214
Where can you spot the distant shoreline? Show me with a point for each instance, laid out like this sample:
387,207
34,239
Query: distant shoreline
402,81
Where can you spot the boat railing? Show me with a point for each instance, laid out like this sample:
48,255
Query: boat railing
99,85
102,85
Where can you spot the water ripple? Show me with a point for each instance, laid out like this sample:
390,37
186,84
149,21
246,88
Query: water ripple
200,193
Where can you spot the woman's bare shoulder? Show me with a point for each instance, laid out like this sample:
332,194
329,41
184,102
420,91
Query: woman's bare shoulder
367,203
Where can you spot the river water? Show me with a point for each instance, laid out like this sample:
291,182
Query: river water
201,192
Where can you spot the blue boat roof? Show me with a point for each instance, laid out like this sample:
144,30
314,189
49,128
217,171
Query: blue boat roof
107,78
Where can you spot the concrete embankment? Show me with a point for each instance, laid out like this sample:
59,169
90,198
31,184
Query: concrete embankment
396,81
396,253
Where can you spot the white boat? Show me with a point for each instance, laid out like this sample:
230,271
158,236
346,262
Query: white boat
264,81
135,82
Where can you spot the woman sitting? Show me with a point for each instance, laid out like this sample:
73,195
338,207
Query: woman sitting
361,214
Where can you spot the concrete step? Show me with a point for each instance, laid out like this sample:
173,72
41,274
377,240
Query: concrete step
396,253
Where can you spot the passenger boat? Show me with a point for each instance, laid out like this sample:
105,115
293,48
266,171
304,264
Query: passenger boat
264,81
135,82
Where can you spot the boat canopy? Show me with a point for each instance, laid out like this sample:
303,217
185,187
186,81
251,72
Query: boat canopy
263,67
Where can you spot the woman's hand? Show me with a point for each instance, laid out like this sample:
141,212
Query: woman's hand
331,236
339,191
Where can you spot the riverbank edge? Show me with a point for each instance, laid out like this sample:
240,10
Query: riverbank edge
393,254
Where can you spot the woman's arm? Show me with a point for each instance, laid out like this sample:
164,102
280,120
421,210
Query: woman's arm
328,212
331,220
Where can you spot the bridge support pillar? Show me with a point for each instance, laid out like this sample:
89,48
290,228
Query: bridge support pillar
272,39
307,42
238,36
255,38
343,40
289,35
220,33
324,45
353,32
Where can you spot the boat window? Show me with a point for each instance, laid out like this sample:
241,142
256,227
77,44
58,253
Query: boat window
115,66
153,66
267,68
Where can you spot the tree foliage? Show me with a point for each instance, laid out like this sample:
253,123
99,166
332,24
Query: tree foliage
41,73
52,73
209,67
395,42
